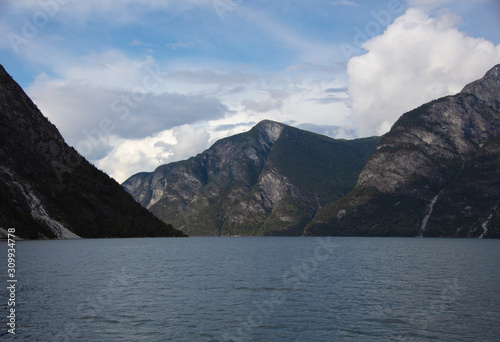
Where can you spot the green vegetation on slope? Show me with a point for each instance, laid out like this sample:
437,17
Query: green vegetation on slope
320,164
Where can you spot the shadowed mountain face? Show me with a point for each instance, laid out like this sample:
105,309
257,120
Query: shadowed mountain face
48,190
269,181
436,173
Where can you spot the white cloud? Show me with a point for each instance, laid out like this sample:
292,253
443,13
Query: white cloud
131,156
132,114
190,141
217,75
417,59
80,94
110,95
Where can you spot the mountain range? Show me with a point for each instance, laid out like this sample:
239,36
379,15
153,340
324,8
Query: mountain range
271,180
436,173
48,190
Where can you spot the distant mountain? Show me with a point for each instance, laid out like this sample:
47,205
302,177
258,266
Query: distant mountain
270,180
436,173
47,190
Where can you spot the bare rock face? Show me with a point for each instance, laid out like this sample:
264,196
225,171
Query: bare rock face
268,181
47,190
448,129
486,89
429,153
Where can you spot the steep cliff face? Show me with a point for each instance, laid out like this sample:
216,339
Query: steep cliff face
434,174
268,181
48,190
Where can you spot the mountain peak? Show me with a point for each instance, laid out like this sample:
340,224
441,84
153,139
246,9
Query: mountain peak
271,129
268,181
486,88
267,122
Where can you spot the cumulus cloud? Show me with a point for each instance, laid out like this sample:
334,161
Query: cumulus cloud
189,142
138,155
417,59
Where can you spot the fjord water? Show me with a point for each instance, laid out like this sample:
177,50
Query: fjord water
256,289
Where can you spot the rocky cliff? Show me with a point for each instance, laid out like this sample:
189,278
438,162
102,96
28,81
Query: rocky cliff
269,181
47,190
436,173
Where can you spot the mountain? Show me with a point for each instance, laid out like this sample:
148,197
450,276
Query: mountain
436,173
270,180
48,190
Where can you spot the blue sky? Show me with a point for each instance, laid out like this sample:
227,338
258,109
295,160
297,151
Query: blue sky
135,84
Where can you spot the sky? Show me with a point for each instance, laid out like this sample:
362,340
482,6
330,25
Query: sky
136,84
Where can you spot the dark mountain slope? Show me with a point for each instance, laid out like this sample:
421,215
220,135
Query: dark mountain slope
48,190
434,174
268,181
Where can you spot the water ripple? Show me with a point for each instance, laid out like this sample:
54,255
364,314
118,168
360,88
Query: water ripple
258,289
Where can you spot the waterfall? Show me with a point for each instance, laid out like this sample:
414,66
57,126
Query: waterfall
426,218
485,224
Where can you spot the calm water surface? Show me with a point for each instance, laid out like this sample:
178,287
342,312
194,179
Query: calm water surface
255,289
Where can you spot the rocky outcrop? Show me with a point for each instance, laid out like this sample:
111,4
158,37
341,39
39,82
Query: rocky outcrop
434,174
48,190
268,181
